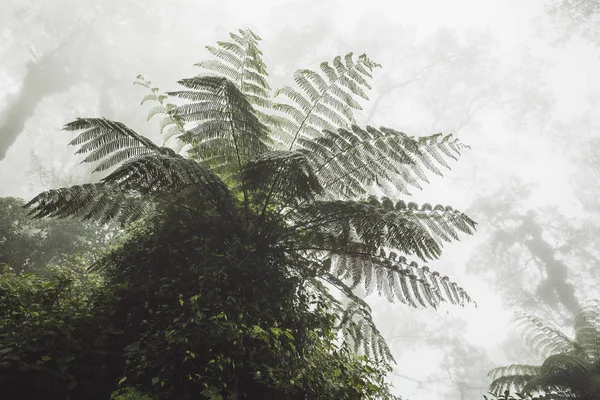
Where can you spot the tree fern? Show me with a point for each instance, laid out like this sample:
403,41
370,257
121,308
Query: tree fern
295,168
571,368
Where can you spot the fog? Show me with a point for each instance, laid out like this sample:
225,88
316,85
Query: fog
516,81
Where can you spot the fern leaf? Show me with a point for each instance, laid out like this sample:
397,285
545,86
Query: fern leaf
241,62
221,112
379,226
99,201
300,182
512,378
357,325
587,330
103,138
350,162
408,283
159,174
554,341
326,102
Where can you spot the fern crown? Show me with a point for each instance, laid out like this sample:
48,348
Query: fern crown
293,157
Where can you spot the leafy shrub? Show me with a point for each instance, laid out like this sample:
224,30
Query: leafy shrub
57,339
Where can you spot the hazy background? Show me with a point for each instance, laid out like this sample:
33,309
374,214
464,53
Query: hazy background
516,85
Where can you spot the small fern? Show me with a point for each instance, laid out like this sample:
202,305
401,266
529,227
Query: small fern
171,125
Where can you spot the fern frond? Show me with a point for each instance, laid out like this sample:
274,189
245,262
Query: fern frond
396,279
300,182
351,162
324,102
171,125
130,191
587,330
443,222
513,369
240,61
227,132
357,324
510,383
109,140
406,229
98,201
374,227
542,338
155,175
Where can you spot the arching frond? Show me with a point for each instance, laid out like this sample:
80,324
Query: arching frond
513,369
542,338
511,383
376,225
357,324
396,279
587,330
564,362
241,62
95,201
226,132
300,182
130,191
110,141
324,100
157,175
350,162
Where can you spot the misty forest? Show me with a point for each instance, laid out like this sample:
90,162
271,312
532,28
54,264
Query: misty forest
299,200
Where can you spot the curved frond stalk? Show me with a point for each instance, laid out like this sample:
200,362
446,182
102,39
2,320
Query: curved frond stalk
395,279
357,324
171,125
324,100
241,62
542,338
226,132
587,330
351,162
93,201
300,183
110,141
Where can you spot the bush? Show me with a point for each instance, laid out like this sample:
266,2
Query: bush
57,336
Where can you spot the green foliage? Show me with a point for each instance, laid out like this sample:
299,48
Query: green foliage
571,367
129,394
215,316
226,275
56,335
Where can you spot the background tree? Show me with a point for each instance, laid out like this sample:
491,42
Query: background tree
28,245
576,16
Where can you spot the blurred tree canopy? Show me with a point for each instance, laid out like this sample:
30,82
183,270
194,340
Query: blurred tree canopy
27,244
